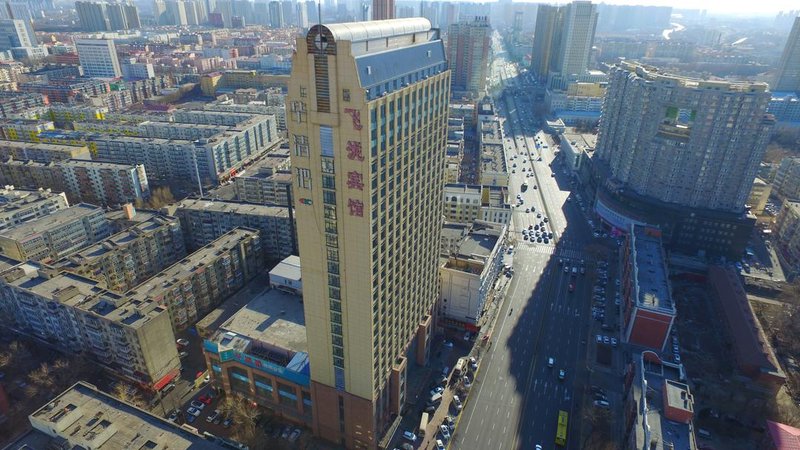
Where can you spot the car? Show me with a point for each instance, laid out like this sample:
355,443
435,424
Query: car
448,344
205,399
535,187
538,215
527,210
550,362
525,237
613,342
467,382
182,342
616,301
445,432
560,262
192,411
450,421
545,220
440,445
409,436
183,354
606,340
295,434
473,363
599,338
436,390
207,379
566,269
227,422
430,409
190,419
457,403
571,287
546,241
213,416
197,405
173,416
287,430
602,404
562,374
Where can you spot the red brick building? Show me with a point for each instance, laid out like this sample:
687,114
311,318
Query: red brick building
648,310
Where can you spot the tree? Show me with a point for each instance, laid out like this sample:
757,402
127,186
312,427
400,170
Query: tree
126,393
599,436
42,376
159,197
244,414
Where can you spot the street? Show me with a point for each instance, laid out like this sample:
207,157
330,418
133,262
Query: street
517,396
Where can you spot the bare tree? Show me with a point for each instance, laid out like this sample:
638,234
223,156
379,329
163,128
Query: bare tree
126,393
42,376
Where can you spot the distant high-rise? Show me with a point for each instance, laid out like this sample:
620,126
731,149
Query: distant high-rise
107,16
382,9
468,46
14,33
788,77
562,42
368,190
276,14
689,142
98,57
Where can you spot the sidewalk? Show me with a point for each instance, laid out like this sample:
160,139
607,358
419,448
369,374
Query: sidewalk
488,321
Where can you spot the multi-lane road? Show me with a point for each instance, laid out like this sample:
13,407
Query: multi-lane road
546,314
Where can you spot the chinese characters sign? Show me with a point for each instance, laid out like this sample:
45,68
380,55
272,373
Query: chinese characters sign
356,116
354,152
356,207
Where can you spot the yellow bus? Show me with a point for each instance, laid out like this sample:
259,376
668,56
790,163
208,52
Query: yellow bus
561,432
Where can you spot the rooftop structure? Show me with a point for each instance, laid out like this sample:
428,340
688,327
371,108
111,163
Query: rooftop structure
85,417
648,310
754,355
204,221
134,339
782,436
56,235
469,269
287,275
661,406
21,205
41,152
197,283
493,169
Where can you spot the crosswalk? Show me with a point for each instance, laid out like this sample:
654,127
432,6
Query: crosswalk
561,252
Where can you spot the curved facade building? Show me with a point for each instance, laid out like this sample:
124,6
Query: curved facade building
683,141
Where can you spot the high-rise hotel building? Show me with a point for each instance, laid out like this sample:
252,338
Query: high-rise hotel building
367,126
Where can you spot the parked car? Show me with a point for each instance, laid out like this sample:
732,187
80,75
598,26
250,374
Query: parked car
182,342
197,405
409,436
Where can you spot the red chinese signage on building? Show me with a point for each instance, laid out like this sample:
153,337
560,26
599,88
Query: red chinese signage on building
354,152
355,180
356,207
356,116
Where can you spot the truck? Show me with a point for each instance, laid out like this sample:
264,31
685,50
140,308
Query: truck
423,424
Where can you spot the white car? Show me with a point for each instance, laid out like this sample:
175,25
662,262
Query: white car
409,436
192,411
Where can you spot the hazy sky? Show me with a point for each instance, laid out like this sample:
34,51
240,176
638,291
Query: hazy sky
762,7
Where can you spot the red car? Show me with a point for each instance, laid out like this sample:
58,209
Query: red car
205,399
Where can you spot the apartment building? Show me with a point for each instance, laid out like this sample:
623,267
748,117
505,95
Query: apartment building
787,178
468,272
98,57
42,152
18,206
466,203
71,419
104,183
56,235
369,191
204,221
787,77
83,180
200,161
492,166
134,339
668,137
787,235
13,102
268,180
196,284
469,44
130,257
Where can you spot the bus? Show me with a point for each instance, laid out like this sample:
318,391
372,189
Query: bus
561,432
423,424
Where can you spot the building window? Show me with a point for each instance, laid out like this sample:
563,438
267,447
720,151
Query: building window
300,145
327,165
326,140
328,197
302,92
346,95
304,178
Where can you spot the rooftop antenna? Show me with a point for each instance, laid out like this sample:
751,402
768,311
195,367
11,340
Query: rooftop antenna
319,11
422,8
